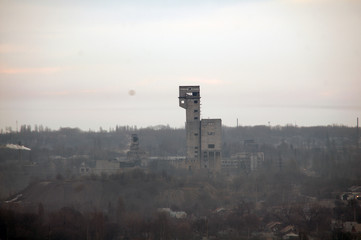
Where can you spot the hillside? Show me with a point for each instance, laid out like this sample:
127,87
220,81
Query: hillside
138,191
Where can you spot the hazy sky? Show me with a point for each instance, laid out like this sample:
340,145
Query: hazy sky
68,63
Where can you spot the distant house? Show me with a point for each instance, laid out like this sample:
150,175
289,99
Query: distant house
173,214
291,236
352,227
273,226
353,193
288,229
220,210
84,170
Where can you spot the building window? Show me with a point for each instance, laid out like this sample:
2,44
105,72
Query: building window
211,146
195,147
195,110
195,101
211,133
195,118
196,134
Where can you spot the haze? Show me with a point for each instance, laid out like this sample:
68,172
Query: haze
89,64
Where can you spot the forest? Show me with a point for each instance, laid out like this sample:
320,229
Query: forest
298,190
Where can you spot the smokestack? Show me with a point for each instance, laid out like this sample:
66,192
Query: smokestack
358,136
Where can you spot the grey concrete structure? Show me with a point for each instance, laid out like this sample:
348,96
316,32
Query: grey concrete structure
189,99
211,143
204,137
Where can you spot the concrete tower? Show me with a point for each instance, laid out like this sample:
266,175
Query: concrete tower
189,99
204,137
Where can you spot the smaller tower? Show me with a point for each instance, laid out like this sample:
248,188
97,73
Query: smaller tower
134,144
134,154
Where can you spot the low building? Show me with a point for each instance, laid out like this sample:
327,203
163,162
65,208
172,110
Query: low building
106,166
247,161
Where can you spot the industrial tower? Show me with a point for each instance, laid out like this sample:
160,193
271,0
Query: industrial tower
204,137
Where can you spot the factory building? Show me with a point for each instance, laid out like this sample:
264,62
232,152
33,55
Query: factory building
203,137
